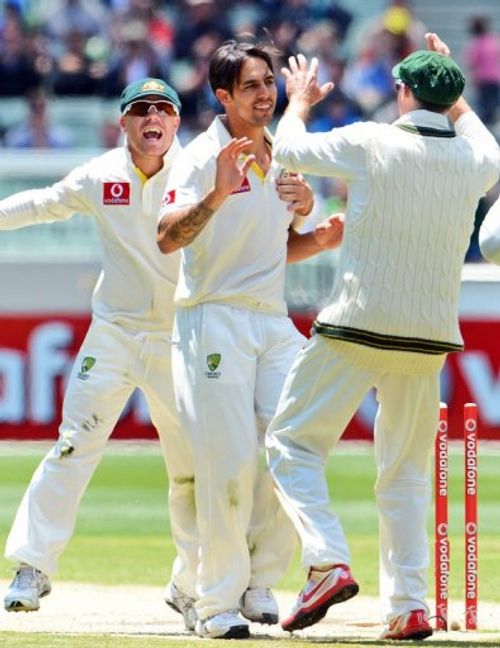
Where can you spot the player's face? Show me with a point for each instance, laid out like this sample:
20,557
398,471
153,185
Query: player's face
253,98
149,135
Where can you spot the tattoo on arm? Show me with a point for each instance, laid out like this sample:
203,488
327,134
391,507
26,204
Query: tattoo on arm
187,225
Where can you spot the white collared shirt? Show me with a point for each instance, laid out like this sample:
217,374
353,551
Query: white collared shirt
239,257
136,286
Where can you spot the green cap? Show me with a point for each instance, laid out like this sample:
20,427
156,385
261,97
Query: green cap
432,77
148,87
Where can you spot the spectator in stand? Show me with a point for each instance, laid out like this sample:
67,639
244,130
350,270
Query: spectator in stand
136,60
482,57
381,42
160,31
37,131
198,18
368,80
190,77
74,72
60,18
17,68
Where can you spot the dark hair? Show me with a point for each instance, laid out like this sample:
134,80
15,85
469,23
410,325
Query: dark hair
228,59
431,107
479,25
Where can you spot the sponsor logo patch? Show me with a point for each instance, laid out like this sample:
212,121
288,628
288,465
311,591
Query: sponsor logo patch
168,198
213,361
87,363
243,188
116,193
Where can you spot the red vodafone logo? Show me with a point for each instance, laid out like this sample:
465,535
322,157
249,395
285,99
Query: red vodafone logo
169,198
116,193
244,187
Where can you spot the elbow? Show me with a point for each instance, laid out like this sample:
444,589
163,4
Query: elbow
490,252
490,246
166,245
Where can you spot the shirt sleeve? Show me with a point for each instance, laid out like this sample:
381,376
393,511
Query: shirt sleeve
55,203
489,234
339,152
188,182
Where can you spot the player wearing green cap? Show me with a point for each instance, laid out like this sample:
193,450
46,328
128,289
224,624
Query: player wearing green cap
391,319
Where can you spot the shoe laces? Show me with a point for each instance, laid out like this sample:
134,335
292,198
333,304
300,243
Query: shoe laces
25,576
261,594
227,614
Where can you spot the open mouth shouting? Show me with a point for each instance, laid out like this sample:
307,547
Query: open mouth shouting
152,134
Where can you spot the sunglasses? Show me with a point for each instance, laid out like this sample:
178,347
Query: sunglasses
143,108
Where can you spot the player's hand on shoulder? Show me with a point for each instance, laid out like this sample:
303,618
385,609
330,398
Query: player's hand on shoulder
294,189
329,232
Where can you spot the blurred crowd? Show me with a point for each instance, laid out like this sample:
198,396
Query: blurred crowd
85,48
96,47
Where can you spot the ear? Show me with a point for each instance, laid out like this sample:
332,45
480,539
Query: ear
122,123
223,96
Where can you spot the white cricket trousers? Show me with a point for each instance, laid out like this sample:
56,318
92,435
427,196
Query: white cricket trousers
229,366
321,394
95,397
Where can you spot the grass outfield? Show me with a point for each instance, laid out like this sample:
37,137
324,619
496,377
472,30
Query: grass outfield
98,641
122,534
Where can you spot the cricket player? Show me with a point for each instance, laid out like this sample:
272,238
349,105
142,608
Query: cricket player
127,345
489,234
233,342
391,320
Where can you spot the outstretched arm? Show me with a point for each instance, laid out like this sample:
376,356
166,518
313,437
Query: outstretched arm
180,228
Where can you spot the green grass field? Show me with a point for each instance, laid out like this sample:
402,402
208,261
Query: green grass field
122,534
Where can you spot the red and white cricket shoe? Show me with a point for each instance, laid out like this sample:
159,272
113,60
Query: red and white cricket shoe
337,585
412,625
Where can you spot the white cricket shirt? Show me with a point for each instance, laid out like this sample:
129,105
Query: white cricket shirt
239,257
137,283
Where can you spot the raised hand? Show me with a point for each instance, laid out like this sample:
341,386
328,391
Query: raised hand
435,44
230,170
302,81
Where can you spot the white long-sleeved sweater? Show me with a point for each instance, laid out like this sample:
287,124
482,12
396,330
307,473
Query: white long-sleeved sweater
137,283
413,191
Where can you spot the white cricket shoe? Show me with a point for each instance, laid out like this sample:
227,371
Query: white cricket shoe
181,603
225,625
28,586
258,604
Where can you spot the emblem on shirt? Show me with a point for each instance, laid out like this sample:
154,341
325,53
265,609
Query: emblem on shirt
116,193
168,198
87,363
244,186
213,361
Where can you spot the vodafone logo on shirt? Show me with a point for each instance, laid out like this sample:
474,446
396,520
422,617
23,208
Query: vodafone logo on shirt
116,193
244,187
168,198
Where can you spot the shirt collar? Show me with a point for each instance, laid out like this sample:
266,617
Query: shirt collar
424,119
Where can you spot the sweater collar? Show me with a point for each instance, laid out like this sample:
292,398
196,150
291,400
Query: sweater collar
425,122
